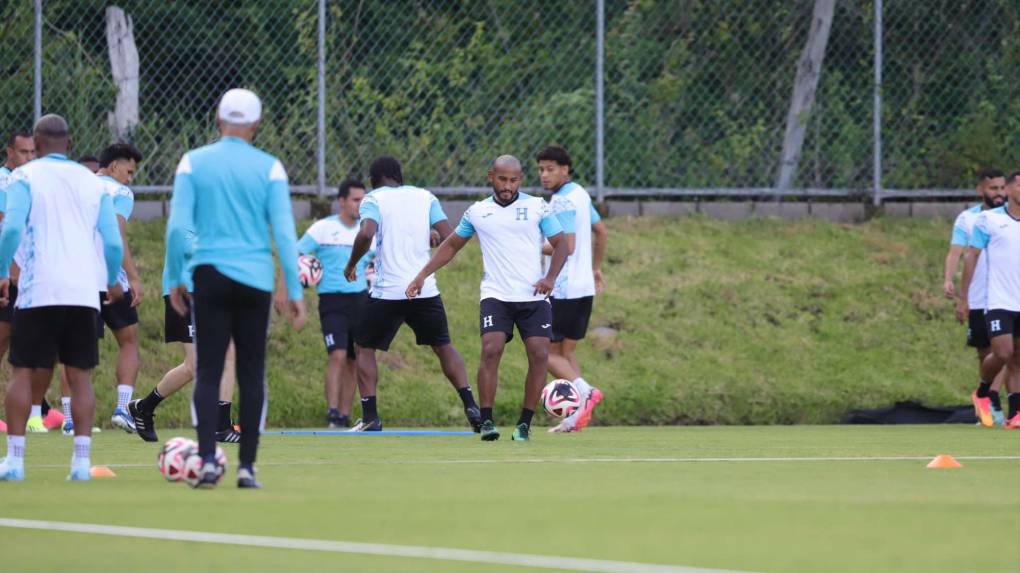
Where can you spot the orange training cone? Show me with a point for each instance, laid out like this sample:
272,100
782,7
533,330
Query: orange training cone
102,472
944,461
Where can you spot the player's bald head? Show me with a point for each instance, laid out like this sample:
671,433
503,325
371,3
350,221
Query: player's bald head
51,134
508,162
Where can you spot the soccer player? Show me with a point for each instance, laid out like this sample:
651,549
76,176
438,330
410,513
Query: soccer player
56,205
340,301
400,217
232,195
177,328
580,280
510,226
992,191
90,161
997,232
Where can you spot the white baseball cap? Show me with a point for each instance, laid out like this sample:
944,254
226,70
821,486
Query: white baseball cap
240,106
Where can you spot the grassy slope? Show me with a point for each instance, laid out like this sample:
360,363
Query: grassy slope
736,323
890,515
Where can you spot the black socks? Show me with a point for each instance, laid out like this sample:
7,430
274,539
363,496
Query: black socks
526,416
368,411
983,388
149,403
224,416
466,397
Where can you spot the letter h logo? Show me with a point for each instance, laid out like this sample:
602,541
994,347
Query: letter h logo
522,213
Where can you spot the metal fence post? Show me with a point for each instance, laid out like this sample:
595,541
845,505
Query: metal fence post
37,80
600,99
876,177
320,154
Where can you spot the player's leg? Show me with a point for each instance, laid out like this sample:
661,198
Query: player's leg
122,319
368,380
570,318
977,338
212,315
17,404
1013,379
225,432
427,318
35,424
348,385
333,319
532,320
250,332
378,326
176,328
334,368
493,344
79,353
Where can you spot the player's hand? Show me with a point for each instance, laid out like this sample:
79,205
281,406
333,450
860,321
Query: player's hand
296,310
178,299
434,239
544,286
5,292
949,289
414,289
280,302
962,311
600,282
137,292
114,293
351,273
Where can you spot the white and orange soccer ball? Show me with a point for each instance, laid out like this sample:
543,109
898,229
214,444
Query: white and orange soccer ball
561,398
192,471
172,456
309,270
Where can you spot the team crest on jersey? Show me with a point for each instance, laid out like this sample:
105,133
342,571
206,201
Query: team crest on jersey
522,213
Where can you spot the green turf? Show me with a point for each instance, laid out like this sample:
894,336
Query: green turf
539,498
761,321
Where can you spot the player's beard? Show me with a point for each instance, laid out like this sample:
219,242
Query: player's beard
994,201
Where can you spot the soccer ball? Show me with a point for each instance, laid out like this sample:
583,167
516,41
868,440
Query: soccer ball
192,471
172,455
561,398
309,270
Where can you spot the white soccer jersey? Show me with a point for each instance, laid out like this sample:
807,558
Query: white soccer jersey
998,233
573,208
57,245
511,238
963,227
123,203
405,216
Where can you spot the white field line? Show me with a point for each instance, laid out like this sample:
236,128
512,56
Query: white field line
598,461
380,549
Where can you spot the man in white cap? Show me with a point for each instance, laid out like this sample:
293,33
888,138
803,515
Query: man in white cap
232,194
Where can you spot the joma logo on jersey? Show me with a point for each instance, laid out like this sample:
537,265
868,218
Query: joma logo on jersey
522,213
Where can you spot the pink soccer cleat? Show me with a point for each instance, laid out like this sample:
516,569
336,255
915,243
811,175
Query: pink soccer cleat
584,418
983,410
3,426
1013,423
53,419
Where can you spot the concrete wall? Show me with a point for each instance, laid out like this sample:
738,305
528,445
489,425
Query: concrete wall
725,210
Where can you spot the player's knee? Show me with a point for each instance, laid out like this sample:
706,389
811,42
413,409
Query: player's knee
1003,353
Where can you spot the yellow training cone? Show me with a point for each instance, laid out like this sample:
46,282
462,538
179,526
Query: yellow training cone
944,461
102,472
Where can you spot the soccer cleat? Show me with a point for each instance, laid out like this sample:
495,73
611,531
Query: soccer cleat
474,416
522,433
123,420
228,436
1013,423
369,426
3,426
145,424
489,431
53,419
566,426
35,425
81,470
586,410
335,420
209,478
11,470
68,428
998,418
246,479
983,410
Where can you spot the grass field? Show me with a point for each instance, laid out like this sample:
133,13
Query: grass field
700,497
748,322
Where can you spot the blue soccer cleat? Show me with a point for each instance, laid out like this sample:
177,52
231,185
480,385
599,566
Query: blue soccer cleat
11,470
123,420
81,470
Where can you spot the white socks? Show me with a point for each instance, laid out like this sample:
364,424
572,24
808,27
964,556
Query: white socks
16,448
582,386
124,395
36,411
65,403
82,447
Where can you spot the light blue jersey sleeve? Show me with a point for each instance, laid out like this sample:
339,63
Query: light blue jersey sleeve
281,219
123,205
436,213
3,200
182,218
959,238
19,203
595,217
465,229
550,225
979,237
307,245
370,209
567,215
113,246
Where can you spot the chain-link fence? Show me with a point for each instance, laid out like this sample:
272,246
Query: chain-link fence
699,97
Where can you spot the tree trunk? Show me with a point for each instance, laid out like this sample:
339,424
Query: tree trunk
124,65
809,70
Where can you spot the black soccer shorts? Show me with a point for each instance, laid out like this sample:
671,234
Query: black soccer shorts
1001,322
533,318
570,317
340,315
41,335
382,319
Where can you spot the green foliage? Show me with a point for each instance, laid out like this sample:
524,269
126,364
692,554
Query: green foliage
752,322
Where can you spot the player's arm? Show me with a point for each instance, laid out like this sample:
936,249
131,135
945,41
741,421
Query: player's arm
600,238
438,220
557,240
182,218
134,280
362,243
970,258
19,202
447,250
957,246
281,219
113,247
